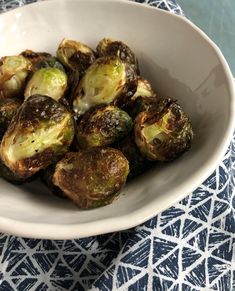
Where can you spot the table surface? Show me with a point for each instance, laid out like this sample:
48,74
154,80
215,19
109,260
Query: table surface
217,19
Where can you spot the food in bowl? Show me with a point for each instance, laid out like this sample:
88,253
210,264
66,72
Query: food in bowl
85,121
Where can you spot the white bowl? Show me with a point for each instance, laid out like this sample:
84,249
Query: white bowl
179,60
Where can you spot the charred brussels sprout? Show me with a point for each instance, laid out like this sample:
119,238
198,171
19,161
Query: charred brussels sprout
51,82
35,57
8,108
143,98
144,89
9,176
137,163
46,178
106,80
163,132
103,126
75,55
92,178
109,47
38,135
13,73
49,62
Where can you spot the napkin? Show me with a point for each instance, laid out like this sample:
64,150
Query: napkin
189,247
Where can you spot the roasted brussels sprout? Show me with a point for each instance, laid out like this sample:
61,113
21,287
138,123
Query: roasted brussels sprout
106,81
144,89
163,132
13,73
49,62
92,177
109,47
8,108
51,82
103,126
9,176
143,98
38,135
46,178
75,55
35,57
137,163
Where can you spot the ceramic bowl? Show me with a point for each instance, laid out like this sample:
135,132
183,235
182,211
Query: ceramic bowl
177,58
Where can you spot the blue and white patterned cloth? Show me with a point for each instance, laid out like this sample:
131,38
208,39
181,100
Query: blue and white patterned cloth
188,247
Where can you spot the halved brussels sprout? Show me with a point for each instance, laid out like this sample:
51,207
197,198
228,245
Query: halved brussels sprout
51,82
34,57
75,55
163,132
9,176
49,62
93,177
137,163
46,178
103,126
143,98
13,73
107,80
144,89
110,47
38,135
8,108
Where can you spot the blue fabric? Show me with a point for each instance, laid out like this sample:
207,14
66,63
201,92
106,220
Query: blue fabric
188,247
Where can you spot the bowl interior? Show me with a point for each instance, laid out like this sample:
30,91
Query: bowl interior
177,59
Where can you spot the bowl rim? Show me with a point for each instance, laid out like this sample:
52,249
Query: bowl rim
80,230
